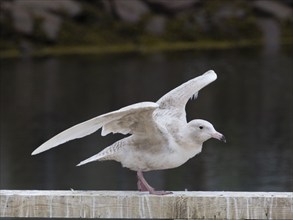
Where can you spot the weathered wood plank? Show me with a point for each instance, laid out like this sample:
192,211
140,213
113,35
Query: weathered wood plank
132,204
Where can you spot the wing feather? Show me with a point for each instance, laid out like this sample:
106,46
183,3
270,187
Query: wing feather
174,101
136,118
121,116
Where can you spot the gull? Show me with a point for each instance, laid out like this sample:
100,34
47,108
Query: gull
160,136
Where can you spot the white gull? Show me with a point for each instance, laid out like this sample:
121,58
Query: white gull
161,138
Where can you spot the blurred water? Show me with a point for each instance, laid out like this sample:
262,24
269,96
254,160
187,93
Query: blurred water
251,103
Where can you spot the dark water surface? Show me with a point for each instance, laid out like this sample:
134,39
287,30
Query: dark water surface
251,103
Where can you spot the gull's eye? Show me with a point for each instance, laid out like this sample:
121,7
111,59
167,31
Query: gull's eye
200,127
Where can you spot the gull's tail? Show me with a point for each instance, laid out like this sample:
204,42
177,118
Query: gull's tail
108,153
96,157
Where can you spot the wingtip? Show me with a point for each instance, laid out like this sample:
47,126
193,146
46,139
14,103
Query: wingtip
211,72
39,150
34,152
80,164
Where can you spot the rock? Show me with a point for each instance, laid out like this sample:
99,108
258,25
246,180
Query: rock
271,34
156,25
229,11
174,5
107,5
22,19
50,25
69,7
130,10
24,13
274,8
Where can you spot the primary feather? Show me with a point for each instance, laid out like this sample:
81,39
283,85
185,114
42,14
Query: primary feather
112,122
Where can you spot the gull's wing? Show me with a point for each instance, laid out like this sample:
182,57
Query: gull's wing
136,118
174,101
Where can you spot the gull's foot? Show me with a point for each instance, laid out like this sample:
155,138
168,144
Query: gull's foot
143,186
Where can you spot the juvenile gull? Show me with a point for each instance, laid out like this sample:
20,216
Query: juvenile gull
161,138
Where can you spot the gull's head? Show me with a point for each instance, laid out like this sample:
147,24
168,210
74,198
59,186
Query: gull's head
201,130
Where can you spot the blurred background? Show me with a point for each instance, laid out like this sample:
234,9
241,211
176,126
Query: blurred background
66,61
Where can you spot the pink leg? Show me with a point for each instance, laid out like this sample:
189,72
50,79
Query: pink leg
144,186
140,186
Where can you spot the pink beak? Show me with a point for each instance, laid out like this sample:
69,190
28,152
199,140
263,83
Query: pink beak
219,136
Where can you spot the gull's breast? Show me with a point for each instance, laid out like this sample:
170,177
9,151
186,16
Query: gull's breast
148,160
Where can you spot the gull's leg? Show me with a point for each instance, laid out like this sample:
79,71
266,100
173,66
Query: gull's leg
143,185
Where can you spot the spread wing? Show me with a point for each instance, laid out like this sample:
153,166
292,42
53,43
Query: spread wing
133,119
173,103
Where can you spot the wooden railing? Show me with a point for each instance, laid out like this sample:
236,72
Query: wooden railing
131,204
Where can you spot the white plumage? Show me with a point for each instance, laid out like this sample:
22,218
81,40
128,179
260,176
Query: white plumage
160,136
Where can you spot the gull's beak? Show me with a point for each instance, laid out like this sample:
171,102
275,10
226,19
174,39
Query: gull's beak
219,136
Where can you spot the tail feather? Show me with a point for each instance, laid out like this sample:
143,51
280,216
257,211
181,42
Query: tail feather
96,157
108,153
